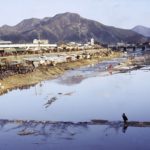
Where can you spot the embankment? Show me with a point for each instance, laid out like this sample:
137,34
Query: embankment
46,72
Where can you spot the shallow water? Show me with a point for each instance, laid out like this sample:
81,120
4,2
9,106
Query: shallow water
75,137
80,95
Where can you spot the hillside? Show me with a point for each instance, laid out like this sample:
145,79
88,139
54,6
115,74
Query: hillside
145,31
66,27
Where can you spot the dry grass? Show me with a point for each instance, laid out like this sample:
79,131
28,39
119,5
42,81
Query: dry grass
45,73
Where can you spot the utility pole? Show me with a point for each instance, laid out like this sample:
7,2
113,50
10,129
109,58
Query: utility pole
79,28
39,39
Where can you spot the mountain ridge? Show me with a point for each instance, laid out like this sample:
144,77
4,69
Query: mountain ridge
67,27
145,31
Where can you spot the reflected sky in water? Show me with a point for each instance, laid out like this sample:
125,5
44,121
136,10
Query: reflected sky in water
90,137
101,96
93,94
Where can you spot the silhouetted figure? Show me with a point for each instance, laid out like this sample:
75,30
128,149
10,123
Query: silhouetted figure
125,119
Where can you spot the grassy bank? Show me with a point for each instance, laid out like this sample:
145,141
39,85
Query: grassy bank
45,73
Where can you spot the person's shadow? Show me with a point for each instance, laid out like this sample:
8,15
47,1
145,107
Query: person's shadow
124,128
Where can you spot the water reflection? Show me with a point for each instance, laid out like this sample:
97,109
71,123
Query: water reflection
49,102
124,128
92,91
50,128
57,96
89,99
42,128
101,69
67,135
105,68
93,94
23,87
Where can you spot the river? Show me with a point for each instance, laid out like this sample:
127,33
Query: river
79,95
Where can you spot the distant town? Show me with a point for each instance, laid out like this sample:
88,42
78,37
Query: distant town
38,46
43,46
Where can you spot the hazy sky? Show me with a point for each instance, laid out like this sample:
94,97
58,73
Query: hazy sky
119,13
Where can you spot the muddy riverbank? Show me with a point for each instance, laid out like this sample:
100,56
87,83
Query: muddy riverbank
47,72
